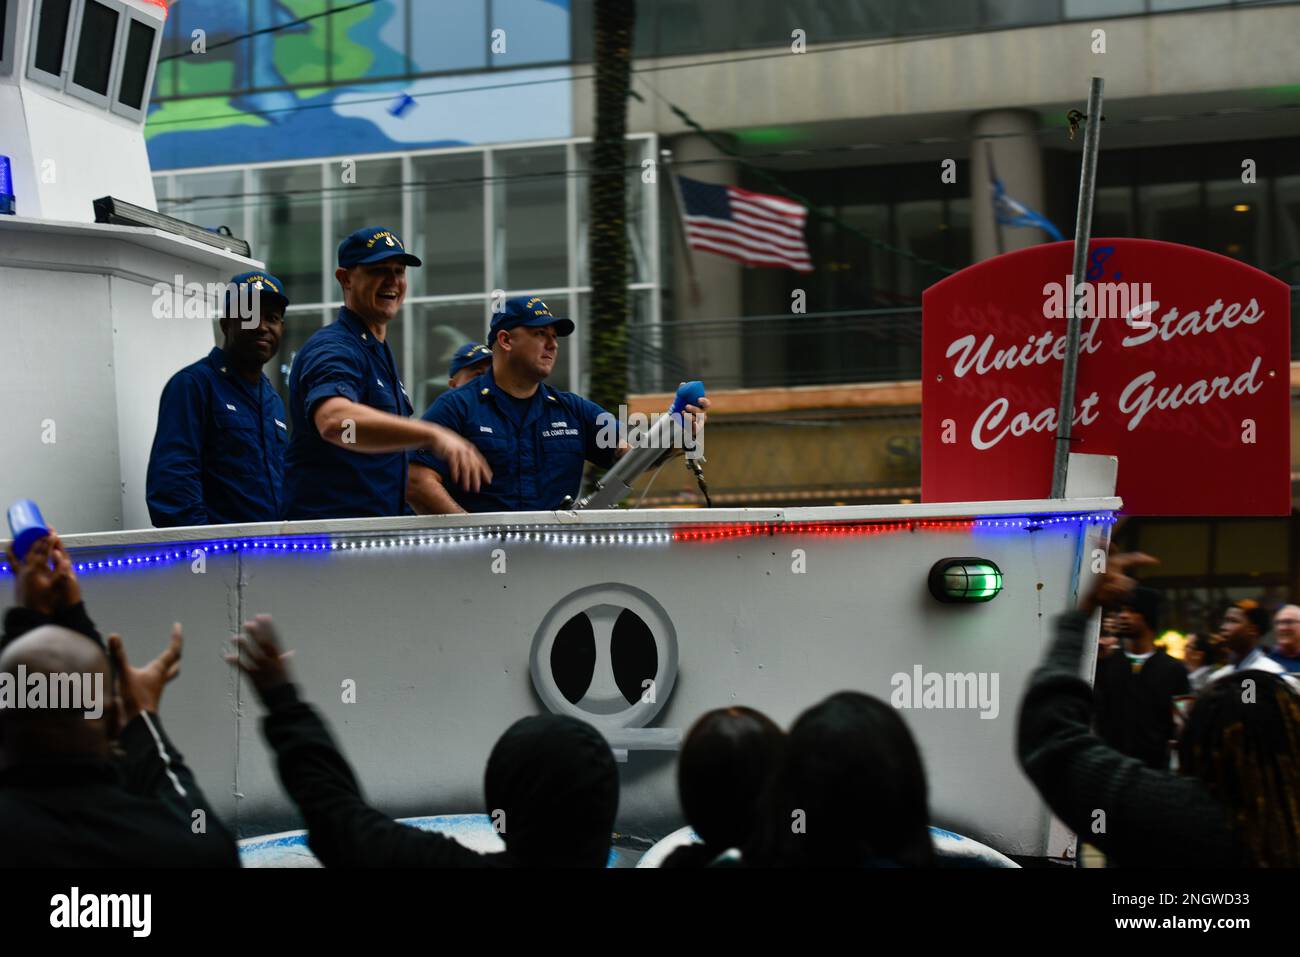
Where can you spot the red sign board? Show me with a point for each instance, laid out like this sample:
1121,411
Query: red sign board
1184,373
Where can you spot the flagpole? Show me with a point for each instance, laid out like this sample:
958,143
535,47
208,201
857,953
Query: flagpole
666,155
1082,233
993,175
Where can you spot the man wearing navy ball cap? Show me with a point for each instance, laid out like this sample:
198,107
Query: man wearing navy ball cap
535,438
218,452
468,362
351,415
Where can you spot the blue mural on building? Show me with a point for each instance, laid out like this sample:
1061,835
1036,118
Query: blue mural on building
349,83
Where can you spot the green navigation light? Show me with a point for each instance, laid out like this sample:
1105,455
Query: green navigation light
965,580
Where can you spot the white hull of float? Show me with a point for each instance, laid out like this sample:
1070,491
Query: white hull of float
422,639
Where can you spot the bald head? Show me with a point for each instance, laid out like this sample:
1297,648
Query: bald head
1286,629
63,665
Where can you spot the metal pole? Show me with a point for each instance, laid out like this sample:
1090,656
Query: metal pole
1082,233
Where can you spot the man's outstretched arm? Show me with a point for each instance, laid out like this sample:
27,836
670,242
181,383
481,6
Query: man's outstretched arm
342,829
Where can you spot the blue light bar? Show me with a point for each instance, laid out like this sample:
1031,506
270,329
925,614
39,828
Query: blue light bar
6,187
174,552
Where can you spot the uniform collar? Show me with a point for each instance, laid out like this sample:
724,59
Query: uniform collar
357,326
217,360
486,387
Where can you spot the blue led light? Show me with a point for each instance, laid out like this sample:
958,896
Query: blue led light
183,551
7,207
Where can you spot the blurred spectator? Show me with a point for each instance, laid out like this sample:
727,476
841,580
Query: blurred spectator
551,784
65,801
1203,654
1244,624
850,791
1286,632
1231,804
1135,688
726,761
1109,639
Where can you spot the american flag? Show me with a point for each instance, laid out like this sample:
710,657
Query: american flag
757,229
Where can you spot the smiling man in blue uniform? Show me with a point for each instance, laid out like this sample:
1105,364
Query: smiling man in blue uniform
218,452
534,437
351,424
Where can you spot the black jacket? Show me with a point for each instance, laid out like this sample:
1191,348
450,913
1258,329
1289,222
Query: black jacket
342,829
19,620
133,811
1135,711
1137,816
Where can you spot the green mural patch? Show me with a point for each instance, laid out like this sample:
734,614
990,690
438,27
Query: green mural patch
301,56
212,76
202,113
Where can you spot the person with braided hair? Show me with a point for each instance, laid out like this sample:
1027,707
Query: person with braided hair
1242,741
1233,801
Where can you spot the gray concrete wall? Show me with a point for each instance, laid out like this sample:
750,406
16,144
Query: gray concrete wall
1160,55
439,645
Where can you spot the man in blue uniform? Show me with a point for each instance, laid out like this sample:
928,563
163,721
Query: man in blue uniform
535,438
469,362
218,452
350,413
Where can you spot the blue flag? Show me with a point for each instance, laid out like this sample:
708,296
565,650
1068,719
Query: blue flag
1011,212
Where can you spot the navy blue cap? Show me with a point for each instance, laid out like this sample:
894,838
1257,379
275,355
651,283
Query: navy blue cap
527,311
373,244
467,355
268,290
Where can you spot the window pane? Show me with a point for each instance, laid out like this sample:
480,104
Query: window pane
210,200
447,227
1288,233
1172,212
529,239
534,32
438,330
299,325
770,22
1080,9
223,69
650,367
936,16
173,42
1237,220
373,199
1112,212
919,231
673,27
451,35
1159,6
95,47
52,35
368,41
299,54
638,223
863,273
135,65
289,228
1016,12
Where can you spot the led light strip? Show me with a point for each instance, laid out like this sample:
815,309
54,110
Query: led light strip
174,552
